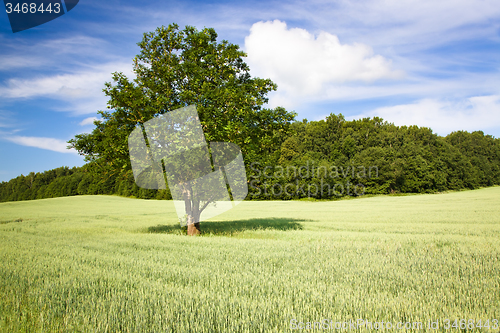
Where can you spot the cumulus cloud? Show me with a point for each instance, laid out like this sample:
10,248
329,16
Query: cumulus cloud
43,143
306,65
471,114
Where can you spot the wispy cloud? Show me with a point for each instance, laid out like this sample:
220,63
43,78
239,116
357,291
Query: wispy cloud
55,53
43,143
17,62
414,24
69,70
420,23
471,114
81,91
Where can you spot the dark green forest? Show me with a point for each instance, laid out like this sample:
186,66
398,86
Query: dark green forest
311,156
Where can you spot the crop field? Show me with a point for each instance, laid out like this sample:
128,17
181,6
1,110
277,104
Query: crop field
112,264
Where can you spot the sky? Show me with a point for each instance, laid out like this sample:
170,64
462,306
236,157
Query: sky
411,62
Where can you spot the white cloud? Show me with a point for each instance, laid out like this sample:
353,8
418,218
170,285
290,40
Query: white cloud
53,55
63,85
306,66
80,91
88,121
16,62
415,24
428,16
443,117
43,143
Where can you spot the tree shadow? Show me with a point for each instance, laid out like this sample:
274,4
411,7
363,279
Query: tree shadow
230,228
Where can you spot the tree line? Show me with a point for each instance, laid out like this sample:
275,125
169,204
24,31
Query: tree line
371,155
65,181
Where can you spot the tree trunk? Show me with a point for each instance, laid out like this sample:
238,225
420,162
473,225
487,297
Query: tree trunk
193,218
193,229
193,224
193,211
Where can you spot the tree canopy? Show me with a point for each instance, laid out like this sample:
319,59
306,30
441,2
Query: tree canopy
177,68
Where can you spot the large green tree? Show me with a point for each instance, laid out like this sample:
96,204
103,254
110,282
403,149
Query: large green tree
177,68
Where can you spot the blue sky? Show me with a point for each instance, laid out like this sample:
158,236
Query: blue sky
428,63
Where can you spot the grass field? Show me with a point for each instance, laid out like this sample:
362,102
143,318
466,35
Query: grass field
111,264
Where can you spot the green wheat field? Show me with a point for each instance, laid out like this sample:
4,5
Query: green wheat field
113,264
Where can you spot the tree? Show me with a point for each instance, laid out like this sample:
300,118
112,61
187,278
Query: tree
177,68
